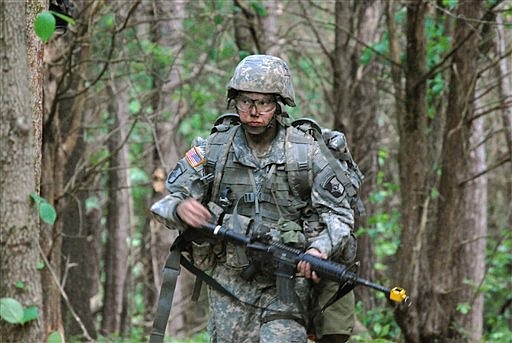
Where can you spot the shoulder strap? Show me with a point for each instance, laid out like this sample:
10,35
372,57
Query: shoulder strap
298,162
219,147
222,134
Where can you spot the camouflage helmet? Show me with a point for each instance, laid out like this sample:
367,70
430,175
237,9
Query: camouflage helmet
263,74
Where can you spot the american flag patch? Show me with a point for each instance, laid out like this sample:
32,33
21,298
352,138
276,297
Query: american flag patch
194,157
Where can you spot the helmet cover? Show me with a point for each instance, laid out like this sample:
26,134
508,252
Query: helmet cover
263,74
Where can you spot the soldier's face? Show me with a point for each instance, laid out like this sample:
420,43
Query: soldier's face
256,110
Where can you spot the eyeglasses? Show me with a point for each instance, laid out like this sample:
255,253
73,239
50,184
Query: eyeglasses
262,105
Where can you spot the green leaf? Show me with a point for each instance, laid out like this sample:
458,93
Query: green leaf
40,265
55,337
92,203
66,18
450,3
44,25
29,313
47,213
463,308
134,106
11,310
20,285
260,10
37,198
218,19
434,193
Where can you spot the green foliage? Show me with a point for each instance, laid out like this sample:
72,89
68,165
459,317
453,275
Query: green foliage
463,308
146,63
12,311
66,18
438,43
379,48
137,335
54,337
46,211
384,223
381,324
44,25
451,4
496,291
29,313
134,106
202,337
259,8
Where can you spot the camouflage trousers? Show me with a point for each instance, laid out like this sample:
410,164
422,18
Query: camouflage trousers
260,316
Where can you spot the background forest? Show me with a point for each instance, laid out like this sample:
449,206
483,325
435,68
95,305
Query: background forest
93,118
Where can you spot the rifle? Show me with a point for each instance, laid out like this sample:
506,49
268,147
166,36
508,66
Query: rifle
288,257
285,257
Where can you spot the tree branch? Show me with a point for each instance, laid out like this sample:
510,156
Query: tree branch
64,295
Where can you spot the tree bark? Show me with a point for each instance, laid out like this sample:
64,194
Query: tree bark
66,246
341,65
19,221
35,63
503,72
355,94
458,239
411,264
119,214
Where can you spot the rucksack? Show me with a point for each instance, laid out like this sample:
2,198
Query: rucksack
332,144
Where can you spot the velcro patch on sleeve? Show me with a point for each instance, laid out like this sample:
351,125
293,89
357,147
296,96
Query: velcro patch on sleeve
175,173
334,186
194,157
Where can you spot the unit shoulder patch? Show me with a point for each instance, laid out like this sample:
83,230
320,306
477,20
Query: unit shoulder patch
334,186
175,173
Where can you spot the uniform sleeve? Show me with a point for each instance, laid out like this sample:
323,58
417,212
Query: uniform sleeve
329,198
184,181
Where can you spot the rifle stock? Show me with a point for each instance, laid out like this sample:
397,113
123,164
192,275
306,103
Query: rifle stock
325,269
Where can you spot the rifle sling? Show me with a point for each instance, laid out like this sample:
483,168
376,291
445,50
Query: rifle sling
169,278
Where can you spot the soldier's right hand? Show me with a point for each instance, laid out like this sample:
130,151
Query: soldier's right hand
193,213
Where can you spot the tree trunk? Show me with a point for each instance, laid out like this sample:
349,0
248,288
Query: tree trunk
79,263
77,258
119,214
356,93
270,28
503,72
66,246
19,221
35,63
458,243
341,66
411,264
77,251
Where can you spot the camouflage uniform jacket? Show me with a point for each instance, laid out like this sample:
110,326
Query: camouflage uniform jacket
258,190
